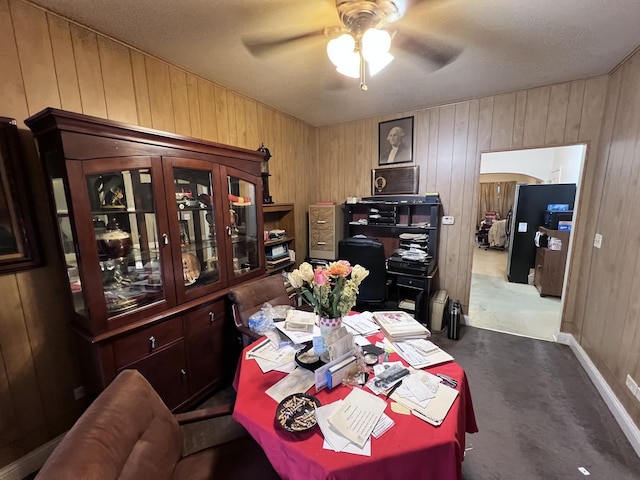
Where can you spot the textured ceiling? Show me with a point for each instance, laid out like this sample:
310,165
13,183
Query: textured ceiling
505,45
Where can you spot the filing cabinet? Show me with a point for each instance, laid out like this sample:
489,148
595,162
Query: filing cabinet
326,223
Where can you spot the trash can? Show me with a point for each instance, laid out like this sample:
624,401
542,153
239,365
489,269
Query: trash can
437,311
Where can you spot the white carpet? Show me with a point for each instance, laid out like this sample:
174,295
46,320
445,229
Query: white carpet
515,308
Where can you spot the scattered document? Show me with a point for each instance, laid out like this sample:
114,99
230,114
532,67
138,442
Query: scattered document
335,441
361,324
421,353
298,381
270,352
432,411
298,337
357,416
300,321
383,425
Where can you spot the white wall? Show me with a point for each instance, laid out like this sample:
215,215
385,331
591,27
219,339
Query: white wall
553,164
568,161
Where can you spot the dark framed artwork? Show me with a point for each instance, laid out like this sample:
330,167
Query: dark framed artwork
394,181
18,247
395,141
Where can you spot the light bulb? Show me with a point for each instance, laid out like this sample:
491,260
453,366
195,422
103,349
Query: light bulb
339,49
350,66
378,63
375,43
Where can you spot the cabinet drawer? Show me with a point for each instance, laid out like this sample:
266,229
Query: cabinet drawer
413,282
204,317
166,371
322,240
147,341
321,218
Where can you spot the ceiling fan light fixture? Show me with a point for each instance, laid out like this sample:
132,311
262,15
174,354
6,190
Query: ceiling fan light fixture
378,63
341,49
350,67
375,43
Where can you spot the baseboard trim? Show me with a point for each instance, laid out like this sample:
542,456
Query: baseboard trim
31,462
631,431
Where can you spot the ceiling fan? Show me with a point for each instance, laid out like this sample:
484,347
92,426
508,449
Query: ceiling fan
363,42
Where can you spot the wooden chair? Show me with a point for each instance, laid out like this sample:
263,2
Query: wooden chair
128,432
248,298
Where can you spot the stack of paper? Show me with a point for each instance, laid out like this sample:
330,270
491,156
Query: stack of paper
299,321
399,326
430,401
347,425
270,357
361,324
421,353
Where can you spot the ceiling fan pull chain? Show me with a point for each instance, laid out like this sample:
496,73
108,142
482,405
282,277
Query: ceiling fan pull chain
363,73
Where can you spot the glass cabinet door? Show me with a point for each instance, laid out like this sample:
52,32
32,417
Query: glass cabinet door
127,239
242,227
197,235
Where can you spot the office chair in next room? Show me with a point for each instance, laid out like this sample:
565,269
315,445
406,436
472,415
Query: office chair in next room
368,253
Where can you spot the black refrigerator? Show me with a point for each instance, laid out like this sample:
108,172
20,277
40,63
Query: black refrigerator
529,207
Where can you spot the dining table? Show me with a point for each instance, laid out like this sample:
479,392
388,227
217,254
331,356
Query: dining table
411,449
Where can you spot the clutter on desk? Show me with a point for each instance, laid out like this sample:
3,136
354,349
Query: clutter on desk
296,413
263,323
399,325
432,410
361,324
421,353
299,380
357,416
270,357
307,358
300,321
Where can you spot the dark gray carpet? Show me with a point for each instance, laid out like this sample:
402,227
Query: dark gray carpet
538,413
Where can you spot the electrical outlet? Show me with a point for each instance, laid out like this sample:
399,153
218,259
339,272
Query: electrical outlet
79,392
597,241
632,385
448,220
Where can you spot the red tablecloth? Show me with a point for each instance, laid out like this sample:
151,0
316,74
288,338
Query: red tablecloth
412,449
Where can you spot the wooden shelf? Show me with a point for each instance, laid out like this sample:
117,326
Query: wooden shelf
279,241
279,267
280,216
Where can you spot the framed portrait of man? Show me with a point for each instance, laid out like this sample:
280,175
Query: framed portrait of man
395,141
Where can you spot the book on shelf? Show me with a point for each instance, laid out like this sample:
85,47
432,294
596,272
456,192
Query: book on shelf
399,325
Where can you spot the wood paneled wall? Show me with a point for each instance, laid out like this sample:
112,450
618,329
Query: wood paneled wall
50,62
602,304
447,146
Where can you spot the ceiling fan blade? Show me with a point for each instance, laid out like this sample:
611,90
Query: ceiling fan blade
435,52
261,46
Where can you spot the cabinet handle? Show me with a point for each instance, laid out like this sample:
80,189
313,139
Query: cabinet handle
152,342
322,243
212,318
165,238
229,231
321,222
183,372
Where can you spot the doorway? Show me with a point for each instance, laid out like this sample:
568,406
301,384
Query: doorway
494,302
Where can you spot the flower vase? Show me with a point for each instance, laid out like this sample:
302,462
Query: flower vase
327,325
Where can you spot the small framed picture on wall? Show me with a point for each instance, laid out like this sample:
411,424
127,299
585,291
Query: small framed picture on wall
395,141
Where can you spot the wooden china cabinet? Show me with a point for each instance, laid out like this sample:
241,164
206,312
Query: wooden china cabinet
154,228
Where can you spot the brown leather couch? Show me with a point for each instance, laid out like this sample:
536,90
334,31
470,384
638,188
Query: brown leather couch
129,433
